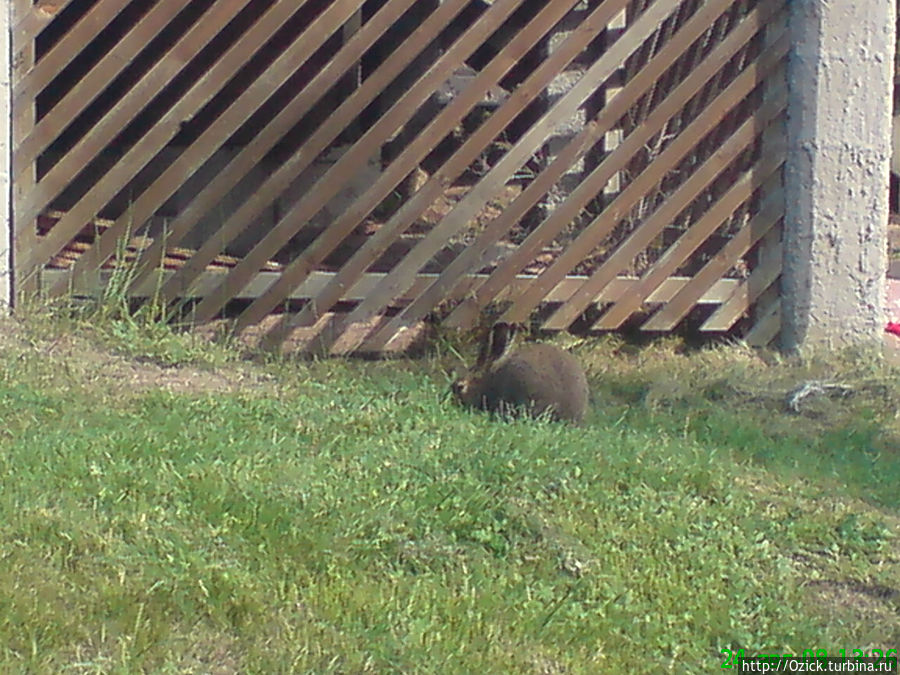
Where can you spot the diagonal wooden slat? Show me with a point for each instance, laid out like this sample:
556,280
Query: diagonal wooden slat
53,62
30,18
329,184
694,105
142,152
466,313
399,278
670,314
574,150
767,326
692,239
271,134
755,180
402,289
597,230
180,283
127,108
746,293
91,85
231,119
455,165
640,238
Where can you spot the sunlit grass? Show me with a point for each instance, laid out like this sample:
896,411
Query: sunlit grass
346,517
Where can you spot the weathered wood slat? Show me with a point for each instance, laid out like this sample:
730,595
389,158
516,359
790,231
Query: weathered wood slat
756,179
596,231
76,100
211,277
700,179
766,328
682,63
329,184
489,76
399,278
573,152
180,283
266,138
147,147
30,18
466,313
23,49
51,64
228,122
746,293
152,83
22,45
766,314
692,239
734,249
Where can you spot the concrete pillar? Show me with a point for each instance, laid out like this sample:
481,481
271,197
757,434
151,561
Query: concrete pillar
6,226
840,76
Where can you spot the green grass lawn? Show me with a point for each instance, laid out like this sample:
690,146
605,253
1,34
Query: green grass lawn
167,508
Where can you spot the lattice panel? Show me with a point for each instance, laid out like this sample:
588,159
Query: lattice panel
344,170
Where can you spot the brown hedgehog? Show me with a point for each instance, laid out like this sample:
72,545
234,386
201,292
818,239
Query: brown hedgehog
536,378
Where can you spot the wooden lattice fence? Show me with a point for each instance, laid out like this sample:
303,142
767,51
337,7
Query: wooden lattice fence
338,171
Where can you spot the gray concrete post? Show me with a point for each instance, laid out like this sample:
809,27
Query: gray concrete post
6,225
840,75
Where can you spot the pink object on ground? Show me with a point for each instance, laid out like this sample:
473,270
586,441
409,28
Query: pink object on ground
893,306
